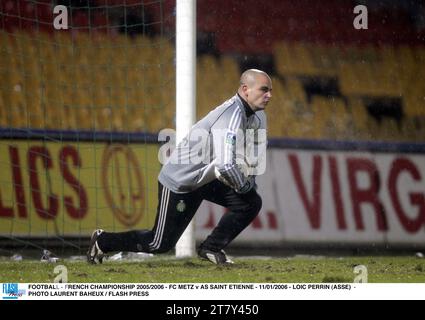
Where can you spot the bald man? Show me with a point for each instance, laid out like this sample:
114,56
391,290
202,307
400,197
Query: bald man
209,164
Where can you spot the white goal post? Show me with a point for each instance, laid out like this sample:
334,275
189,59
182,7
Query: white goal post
185,94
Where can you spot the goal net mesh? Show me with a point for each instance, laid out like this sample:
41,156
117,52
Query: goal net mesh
85,88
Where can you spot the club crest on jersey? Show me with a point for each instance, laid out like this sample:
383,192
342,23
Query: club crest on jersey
181,206
231,138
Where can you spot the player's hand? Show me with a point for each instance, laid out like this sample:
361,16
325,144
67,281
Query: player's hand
221,178
248,186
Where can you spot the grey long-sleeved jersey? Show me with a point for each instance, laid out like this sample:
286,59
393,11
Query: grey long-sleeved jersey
218,142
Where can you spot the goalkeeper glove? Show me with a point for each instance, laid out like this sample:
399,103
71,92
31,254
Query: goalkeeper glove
249,184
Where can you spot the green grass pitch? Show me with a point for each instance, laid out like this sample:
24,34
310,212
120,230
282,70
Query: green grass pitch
166,269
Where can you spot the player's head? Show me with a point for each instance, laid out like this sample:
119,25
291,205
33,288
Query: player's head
256,88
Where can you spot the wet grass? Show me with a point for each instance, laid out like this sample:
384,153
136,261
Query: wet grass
245,270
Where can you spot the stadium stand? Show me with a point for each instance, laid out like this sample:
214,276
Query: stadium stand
325,82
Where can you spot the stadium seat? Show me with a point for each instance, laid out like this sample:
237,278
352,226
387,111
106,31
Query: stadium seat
230,67
123,118
333,114
36,120
293,59
3,113
155,121
279,111
389,130
295,89
322,105
364,127
87,74
70,122
412,130
85,118
414,106
14,98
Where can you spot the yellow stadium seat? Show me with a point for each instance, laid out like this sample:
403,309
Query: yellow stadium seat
101,118
326,60
202,103
52,93
85,118
322,105
37,121
333,114
64,82
168,94
3,112
282,59
168,121
420,134
82,98
230,68
69,123
307,126
302,58
279,111
101,97
389,130
136,119
54,116
209,63
342,126
414,106
154,121
410,129
14,99
35,104
121,118
293,59
274,129
363,124
295,89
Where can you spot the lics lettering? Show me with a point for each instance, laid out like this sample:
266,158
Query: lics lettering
40,163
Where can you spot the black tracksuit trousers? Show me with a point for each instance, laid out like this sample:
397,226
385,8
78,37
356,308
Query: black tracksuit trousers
176,210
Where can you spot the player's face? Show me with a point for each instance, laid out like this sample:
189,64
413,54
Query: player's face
259,93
